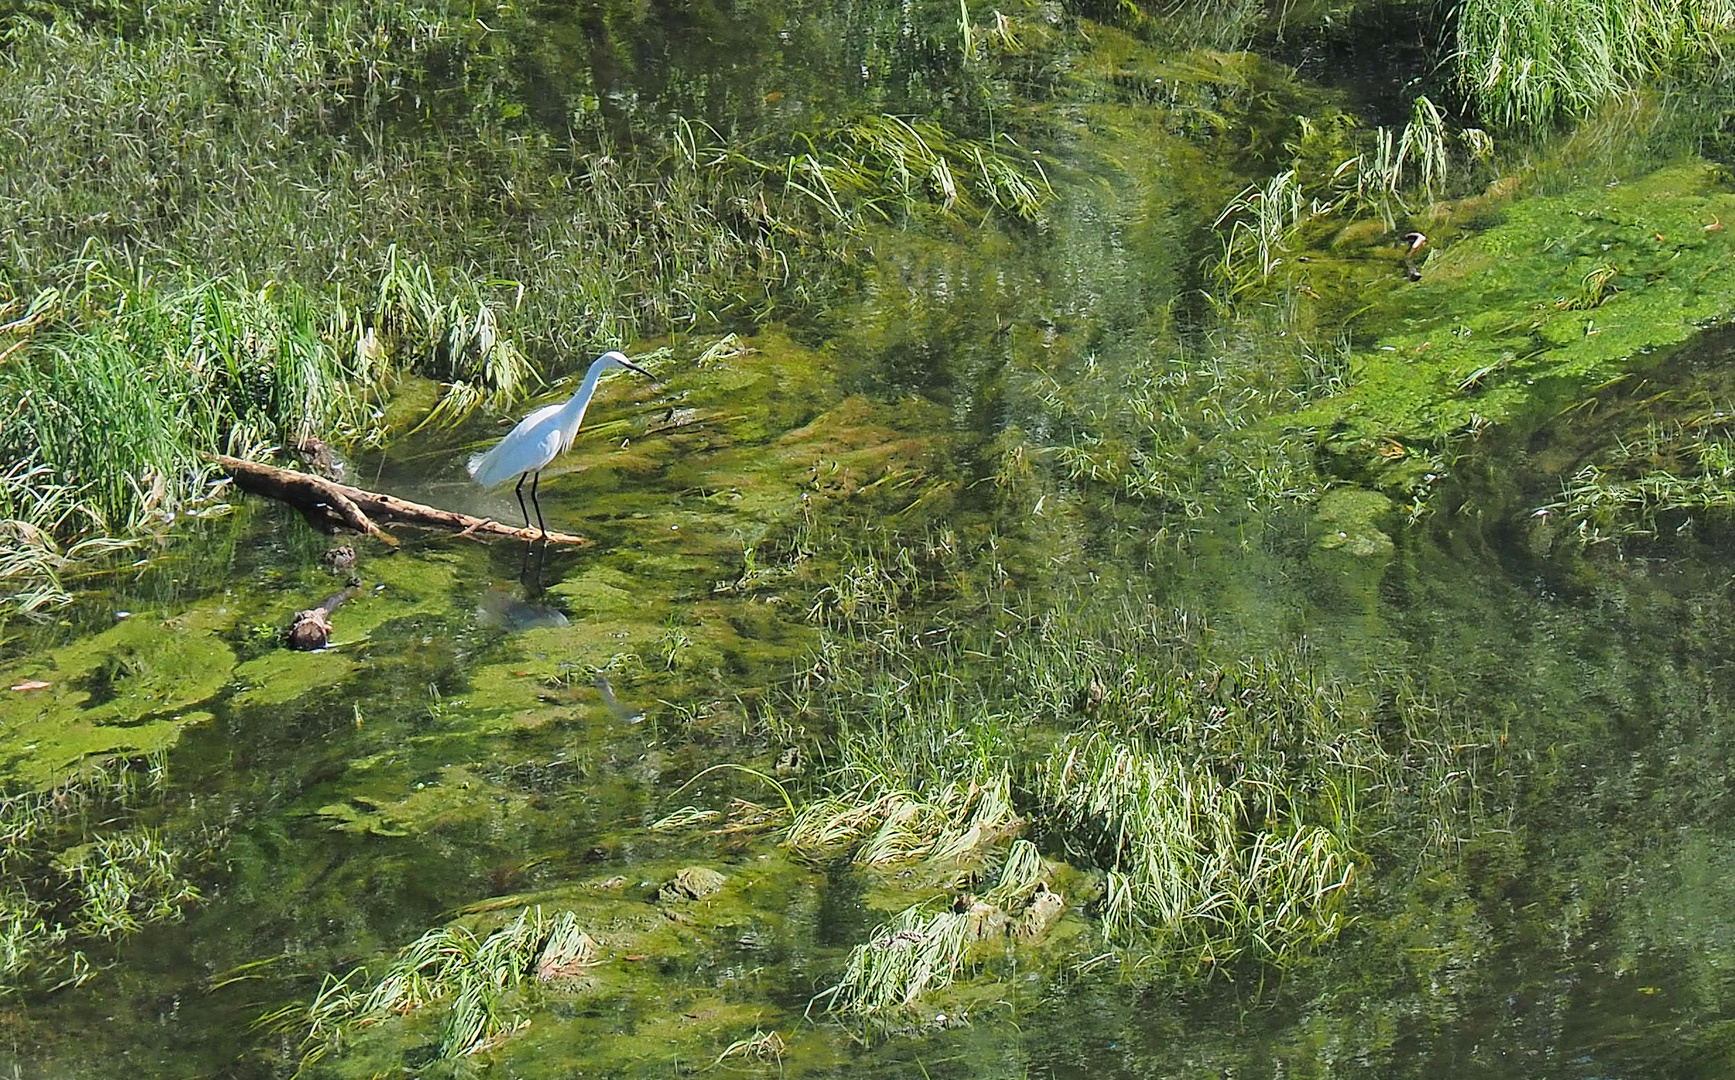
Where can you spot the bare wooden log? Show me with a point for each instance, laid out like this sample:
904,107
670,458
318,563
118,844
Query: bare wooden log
329,502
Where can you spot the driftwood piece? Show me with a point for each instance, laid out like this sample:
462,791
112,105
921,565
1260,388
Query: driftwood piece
328,503
312,628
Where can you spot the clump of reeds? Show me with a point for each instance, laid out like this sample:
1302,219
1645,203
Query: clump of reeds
886,162
120,386
1528,63
924,948
473,978
76,871
112,407
1387,178
1208,864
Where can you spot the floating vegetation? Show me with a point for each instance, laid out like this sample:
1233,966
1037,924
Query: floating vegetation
473,978
77,871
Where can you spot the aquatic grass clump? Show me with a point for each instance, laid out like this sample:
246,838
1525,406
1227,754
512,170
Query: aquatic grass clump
475,977
886,167
1529,63
918,951
115,404
1230,803
443,329
923,949
939,823
1200,864
77,871
1329,179
1671,477
918,161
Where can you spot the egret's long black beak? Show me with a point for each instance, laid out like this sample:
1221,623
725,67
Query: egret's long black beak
640,370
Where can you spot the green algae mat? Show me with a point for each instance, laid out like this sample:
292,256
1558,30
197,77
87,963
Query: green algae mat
1518,321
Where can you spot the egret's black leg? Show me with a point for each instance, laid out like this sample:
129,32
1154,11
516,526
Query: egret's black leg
536,478
524,562
519,491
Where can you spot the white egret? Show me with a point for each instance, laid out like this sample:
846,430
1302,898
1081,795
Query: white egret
541,437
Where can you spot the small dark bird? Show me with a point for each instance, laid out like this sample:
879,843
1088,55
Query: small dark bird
1415,240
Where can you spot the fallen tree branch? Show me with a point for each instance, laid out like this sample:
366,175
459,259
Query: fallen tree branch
329,505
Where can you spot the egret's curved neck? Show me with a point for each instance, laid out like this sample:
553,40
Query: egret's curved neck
572,413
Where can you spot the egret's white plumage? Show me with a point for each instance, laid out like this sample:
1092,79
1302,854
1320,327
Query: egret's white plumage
543,435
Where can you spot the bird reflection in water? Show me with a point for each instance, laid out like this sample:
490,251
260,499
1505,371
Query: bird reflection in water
501,609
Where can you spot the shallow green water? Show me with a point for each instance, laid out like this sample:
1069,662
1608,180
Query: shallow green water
442,755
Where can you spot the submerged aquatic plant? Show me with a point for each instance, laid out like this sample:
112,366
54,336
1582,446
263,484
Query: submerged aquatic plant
1230,804
1190,433
475,978
76,871
1207,864
1674,477
916,952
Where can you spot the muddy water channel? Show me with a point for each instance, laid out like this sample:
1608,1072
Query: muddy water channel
870,588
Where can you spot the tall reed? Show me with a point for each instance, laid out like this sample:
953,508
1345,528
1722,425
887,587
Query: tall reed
1529,63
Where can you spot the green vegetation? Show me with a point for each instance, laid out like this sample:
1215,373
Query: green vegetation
472,978
1228,803
1676,478
1530,63
271,285
922,950
79,870
1077,508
